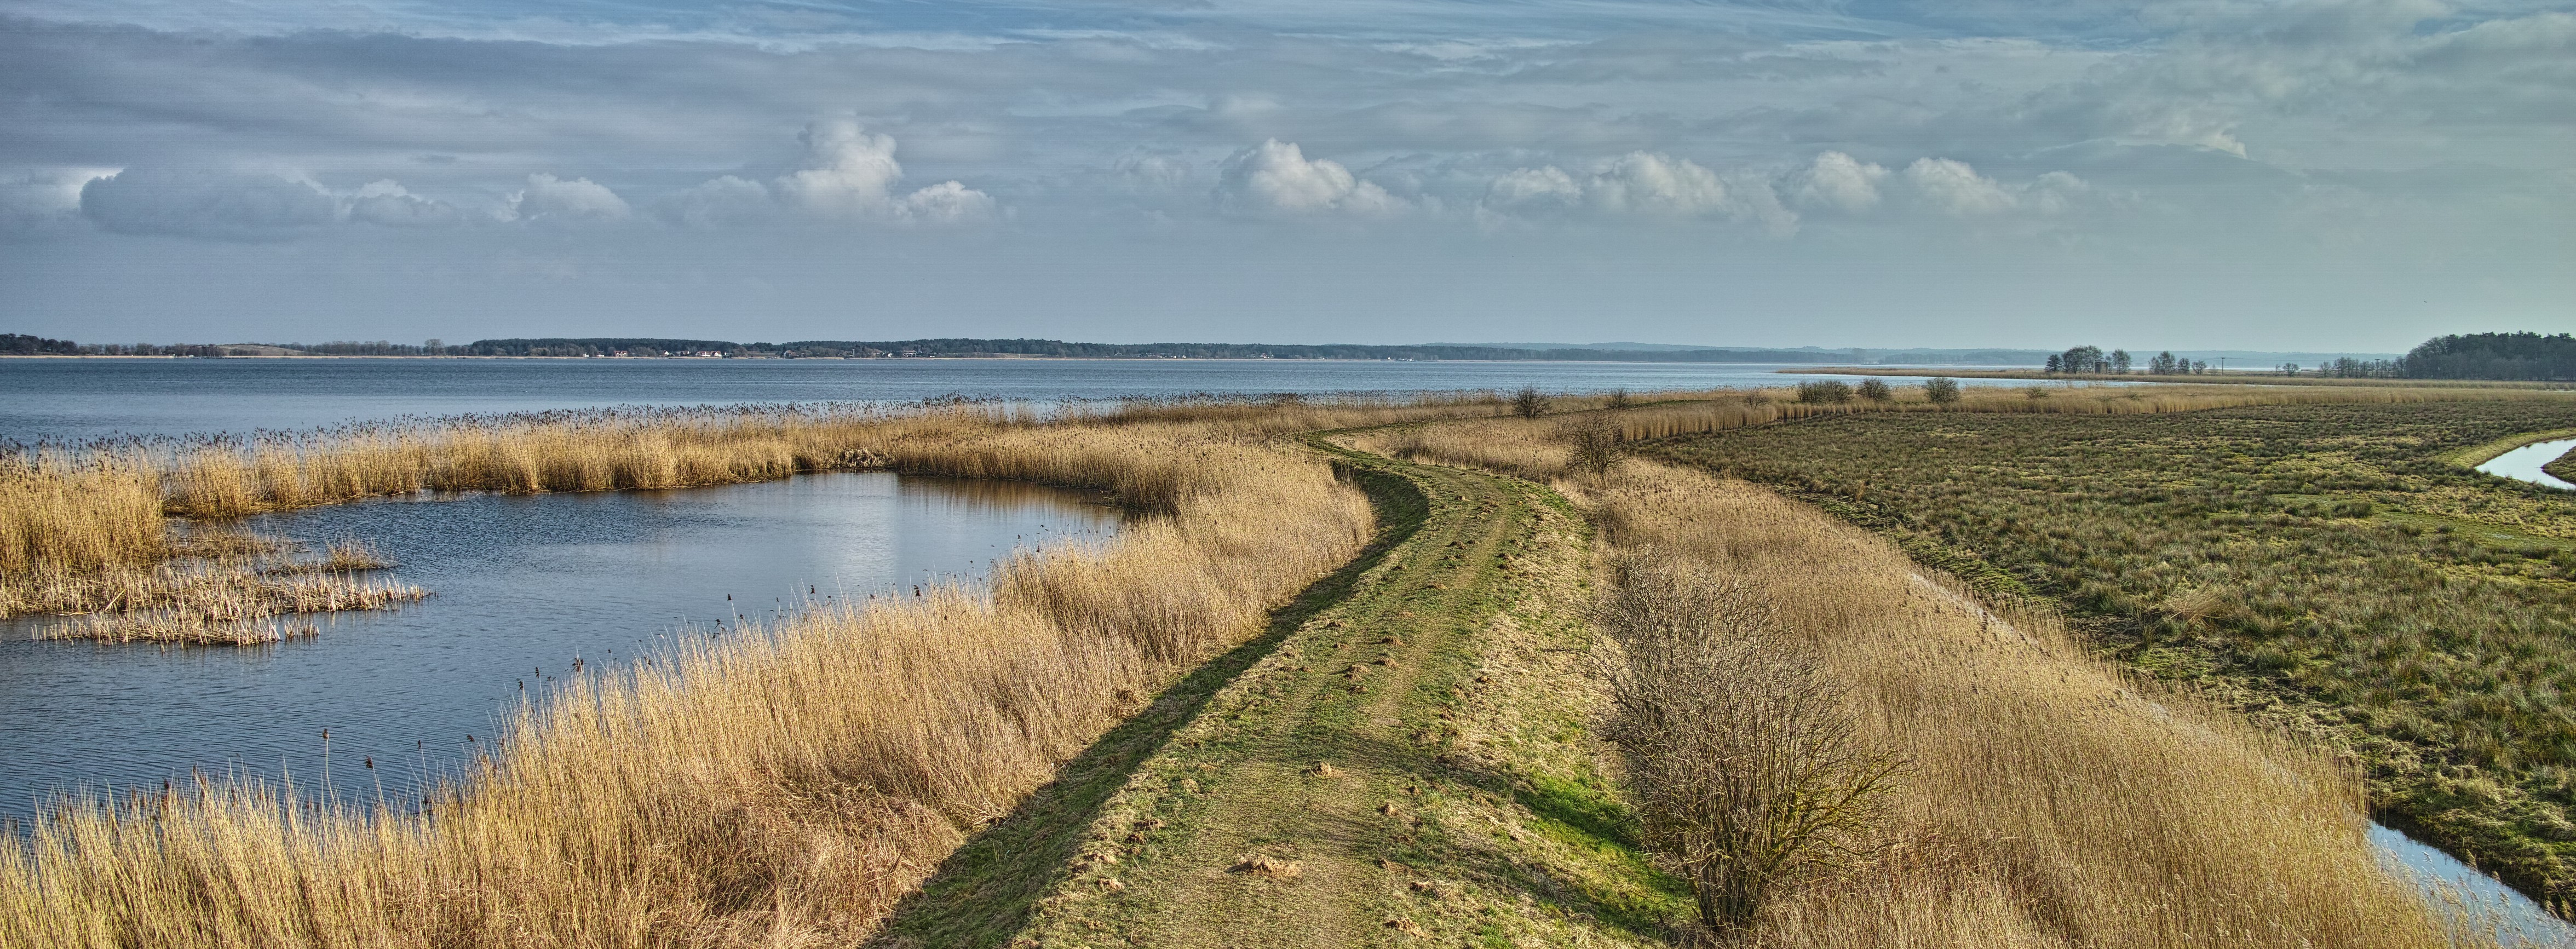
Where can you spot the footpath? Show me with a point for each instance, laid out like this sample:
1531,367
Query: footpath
1402,759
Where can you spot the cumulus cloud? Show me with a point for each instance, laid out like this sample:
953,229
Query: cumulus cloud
851,173
1645,182
1277,177
1638,183
1839,181
550,198
1955,188
40,196
386,203
201,203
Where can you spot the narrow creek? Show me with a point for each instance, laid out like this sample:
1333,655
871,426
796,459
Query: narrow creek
2523,464
2455,887
521,588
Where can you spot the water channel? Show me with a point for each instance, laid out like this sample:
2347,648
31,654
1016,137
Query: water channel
521,587
2523,464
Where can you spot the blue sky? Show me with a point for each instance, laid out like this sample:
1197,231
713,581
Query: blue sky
2208,173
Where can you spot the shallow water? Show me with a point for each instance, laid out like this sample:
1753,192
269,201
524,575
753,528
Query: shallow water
2517,921
67,399
521,586
2523,464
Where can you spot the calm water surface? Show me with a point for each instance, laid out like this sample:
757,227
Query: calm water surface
86,398
521,587
2515,919
2523,464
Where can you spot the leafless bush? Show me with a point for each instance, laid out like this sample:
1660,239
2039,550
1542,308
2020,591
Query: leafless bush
1528,403
1941,390
1825,392
1877,390
1618,400
1745,766
1593,445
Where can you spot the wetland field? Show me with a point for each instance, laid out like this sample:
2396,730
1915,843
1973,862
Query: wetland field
2335,569
2095,666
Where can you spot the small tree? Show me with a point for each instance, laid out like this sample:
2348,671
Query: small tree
1824,392
2056,364
1527,403
1876,390
1941,390
2120,361
1593,444
1618,399
2289,369
1746,765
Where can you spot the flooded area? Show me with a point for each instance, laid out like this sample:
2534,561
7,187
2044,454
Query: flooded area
521,587
2454,886
2523,464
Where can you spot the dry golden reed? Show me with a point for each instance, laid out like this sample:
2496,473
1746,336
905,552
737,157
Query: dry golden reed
2050,799
779,787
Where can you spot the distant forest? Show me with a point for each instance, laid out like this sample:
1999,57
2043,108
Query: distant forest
2494,356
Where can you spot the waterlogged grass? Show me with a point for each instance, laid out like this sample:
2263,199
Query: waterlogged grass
2329,566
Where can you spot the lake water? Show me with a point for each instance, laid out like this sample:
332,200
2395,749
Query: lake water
2523,464
2515,919
521,586
71,399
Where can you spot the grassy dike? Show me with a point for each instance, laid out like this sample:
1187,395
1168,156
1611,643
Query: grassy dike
1403,756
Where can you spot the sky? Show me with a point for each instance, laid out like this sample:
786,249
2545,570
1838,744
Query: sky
2182,174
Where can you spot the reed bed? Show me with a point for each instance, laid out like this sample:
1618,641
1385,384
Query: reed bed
2049,798
779,787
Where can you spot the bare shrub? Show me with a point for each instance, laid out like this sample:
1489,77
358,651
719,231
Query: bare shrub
1877,390
1825,392
1941,390
1528,403
1593,445
1746,769
1618,399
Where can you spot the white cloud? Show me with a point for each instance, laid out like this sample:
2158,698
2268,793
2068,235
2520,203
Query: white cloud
549,197
1955,188
387,203
1640,184
204,203
1648,183
851,173
1841,182
1277,176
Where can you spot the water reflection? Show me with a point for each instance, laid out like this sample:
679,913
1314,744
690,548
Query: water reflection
522,588
2523,464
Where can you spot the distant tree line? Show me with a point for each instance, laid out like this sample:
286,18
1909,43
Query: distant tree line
2091,360
18,345
2473,356
2494,356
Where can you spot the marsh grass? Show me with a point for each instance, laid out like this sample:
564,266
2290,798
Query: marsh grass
2324,566
2051,798
781,786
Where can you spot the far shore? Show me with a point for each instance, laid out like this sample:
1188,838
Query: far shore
2235,377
